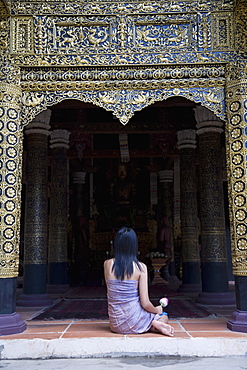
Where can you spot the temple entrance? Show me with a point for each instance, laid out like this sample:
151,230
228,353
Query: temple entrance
145,65
116,178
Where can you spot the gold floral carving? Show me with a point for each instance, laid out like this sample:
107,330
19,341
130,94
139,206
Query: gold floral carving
236,135
10,185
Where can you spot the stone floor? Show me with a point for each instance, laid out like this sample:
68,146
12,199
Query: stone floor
212,326
204,337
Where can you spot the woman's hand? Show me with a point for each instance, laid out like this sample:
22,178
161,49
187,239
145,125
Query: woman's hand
159,310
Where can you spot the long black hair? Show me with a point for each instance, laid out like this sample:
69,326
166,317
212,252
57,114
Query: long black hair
126,249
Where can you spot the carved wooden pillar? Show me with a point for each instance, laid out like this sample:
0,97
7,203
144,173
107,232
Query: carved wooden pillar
58,220
79,225
166,196
213,233
36,218
166,182
191,273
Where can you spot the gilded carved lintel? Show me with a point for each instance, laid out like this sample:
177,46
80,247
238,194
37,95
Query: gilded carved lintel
123,103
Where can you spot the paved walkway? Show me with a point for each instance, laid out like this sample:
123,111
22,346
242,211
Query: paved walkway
207,337
130,363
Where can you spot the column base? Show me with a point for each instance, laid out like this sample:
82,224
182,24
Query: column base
57,289
190,288
11,324
225,298
238,321
58,273
173,279
166,276
164,272
34,300
7,295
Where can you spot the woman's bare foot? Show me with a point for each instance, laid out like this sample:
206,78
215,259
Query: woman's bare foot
163,328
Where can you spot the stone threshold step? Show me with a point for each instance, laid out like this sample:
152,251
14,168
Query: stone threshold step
124,346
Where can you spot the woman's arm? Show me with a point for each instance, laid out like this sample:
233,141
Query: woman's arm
143,293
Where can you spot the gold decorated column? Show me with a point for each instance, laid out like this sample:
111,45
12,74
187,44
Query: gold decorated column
11,139
236,148
36,213
191,273
212,217
58,220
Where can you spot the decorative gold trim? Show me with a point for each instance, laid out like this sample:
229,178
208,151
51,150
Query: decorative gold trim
22,35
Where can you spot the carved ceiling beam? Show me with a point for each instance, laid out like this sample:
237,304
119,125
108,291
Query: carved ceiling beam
134,153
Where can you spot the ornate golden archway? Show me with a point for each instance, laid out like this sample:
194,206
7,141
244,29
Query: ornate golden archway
122,57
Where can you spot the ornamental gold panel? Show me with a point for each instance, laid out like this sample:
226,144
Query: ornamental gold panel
108,33
222,24
240,25
22,35
4,7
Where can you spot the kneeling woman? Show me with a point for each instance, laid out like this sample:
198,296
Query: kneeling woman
129,308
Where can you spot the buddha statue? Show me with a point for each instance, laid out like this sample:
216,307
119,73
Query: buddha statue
124,189
123,196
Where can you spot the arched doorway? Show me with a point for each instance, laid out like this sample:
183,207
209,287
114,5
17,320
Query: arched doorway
95,153
95,210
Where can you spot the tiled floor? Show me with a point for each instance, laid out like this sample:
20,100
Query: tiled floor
203,328
212,326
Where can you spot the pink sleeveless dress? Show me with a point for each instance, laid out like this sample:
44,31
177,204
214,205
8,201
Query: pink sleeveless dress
126,314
